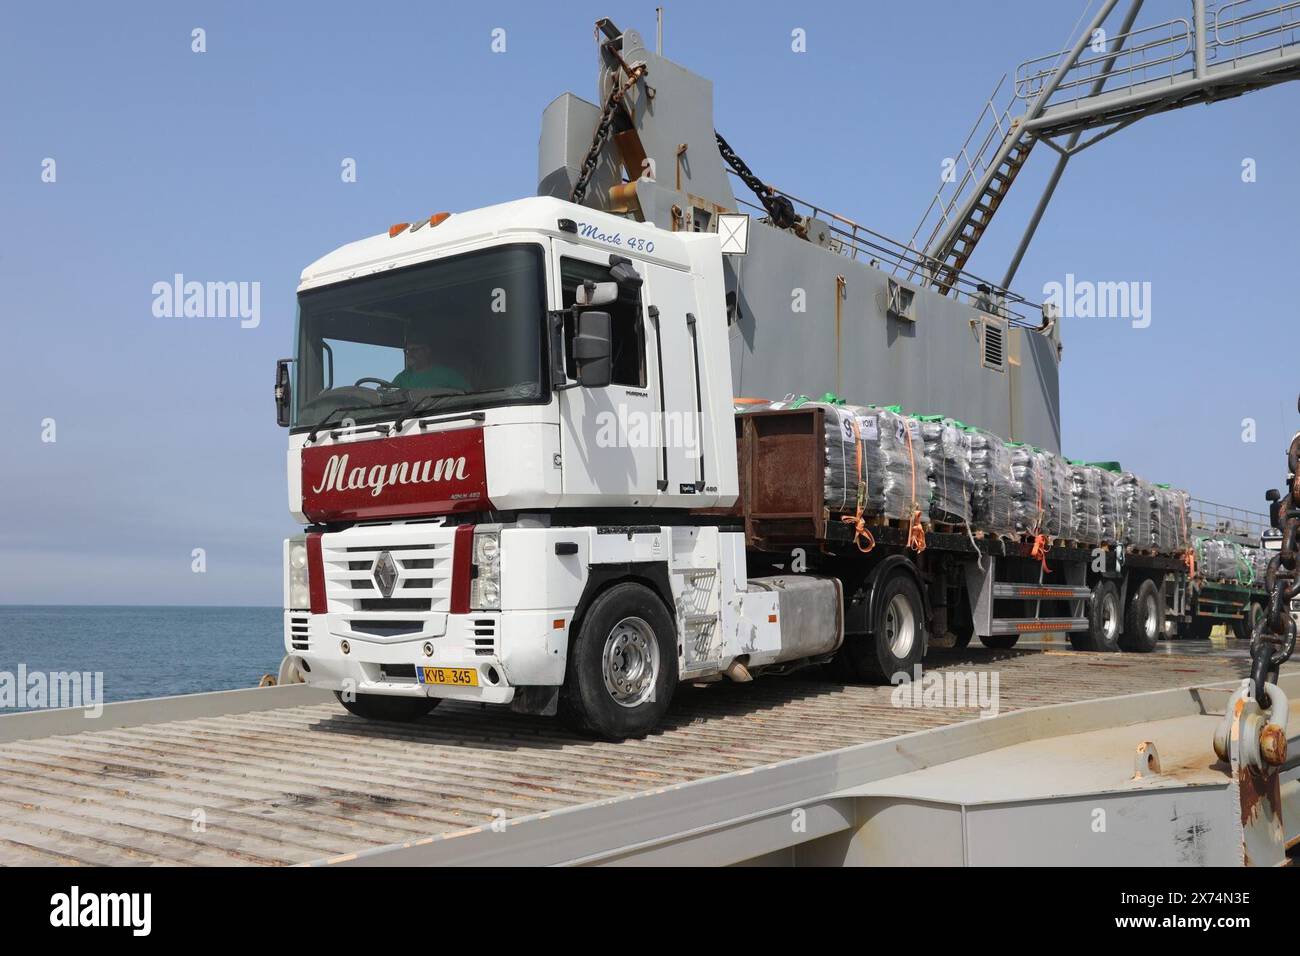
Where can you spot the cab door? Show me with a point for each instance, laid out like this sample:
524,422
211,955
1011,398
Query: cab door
674,331
610,438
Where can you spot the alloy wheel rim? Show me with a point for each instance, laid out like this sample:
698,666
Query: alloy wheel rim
630,662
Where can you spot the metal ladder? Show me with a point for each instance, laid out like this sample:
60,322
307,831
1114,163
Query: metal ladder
1102,83
988,162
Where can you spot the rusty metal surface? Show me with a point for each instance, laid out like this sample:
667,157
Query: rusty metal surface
783,492
307,783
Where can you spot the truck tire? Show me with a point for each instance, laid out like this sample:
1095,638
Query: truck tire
1000,642
1145,621
1244,628
896,643
622,665
1105,621
399,710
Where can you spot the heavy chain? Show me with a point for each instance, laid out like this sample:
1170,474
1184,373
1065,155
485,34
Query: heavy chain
778,207
612,103
1274,638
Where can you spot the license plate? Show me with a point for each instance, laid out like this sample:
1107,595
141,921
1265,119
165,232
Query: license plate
455,676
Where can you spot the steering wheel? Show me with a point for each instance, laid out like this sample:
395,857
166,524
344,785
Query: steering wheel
343,395
382,383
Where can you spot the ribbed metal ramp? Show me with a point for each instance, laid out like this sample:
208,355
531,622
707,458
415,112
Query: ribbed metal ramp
306,783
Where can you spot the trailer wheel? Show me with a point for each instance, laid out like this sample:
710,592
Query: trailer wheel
622,667
1145,620
1105,621
386,707
1244,628
896,643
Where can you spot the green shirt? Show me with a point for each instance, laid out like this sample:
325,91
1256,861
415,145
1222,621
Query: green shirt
435,376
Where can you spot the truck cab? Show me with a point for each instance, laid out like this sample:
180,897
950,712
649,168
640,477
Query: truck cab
506,425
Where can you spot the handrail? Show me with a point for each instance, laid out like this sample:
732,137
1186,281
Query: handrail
1029,84
1001,125
1281,10
852,239
1220,519
1167,50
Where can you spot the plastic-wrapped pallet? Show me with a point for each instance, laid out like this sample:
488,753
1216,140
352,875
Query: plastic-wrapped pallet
1183,500
1110,519
1247,564
993,484
1227,561
1261,558
1042,491
1209,558
1058,496
894,465
947,470
1086,490
1169,518
1135,510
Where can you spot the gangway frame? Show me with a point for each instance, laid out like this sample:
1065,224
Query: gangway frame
1103,83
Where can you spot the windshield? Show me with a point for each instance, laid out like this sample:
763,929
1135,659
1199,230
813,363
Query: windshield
460,332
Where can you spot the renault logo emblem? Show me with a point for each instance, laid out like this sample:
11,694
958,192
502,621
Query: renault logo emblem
385,574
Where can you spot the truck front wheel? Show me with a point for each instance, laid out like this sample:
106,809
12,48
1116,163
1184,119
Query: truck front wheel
1145,621
896,643
622,666
384,707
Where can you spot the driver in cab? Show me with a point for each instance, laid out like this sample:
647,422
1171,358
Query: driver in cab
422,371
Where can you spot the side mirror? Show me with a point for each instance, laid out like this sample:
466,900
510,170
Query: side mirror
596,293
1274,499
592,349
283,393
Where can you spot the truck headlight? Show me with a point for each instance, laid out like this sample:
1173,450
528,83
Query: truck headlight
299,596
485,588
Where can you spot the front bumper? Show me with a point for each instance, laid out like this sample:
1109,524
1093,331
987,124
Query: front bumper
508,650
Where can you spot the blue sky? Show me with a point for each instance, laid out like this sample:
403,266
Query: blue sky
225,166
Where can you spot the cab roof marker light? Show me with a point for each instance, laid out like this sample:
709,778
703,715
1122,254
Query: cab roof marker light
396,228
438,218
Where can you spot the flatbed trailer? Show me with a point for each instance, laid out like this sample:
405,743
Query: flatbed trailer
1236,606
793,771
971,584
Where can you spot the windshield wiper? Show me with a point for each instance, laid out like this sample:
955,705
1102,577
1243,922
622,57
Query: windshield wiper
354,408
426,404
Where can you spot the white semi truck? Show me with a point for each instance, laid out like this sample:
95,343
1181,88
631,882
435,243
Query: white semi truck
523,532
548,517
514,449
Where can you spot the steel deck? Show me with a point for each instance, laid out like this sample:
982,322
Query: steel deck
308,782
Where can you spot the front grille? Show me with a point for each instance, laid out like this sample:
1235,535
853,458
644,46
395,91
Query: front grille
483,640
422,555
393,604
386,627
298,639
